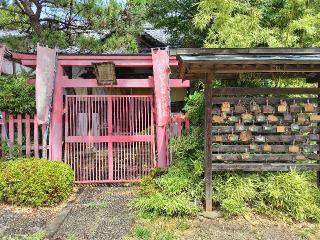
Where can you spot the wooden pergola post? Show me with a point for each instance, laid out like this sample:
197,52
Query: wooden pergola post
208,139
318,172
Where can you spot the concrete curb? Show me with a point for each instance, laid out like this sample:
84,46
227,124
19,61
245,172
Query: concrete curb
52,228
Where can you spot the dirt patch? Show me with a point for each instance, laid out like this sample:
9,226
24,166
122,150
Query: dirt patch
250,227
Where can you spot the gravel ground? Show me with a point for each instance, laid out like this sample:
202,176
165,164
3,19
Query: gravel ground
248,228
22,221
94,213
102,213
99,213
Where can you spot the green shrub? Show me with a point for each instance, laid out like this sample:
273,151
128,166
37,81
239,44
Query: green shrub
9,153
162,204
234,192
290,195
16,96
195,108
167,235
35,182
142,232
178,191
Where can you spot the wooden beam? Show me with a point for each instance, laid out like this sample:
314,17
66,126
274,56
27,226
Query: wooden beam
264,157
213,60
223,68
230,129
277,138
217,51
262,100
311,77
142,60
264,91
263,68
318,172
182,70
208,140
245,148
261,167
121,83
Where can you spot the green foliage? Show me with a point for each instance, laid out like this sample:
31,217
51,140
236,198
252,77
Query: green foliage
40,235
35,182
231,23
16,96
159,228
142,232
238,23
235,192
92,26
174,16
195,108
160,204
96,205
290,195
179,191
9,152
167,235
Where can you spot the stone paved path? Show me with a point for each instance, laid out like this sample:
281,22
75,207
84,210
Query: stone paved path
99,213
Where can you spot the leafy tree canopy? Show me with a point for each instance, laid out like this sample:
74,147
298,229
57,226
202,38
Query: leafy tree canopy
90,25
239,23
176,17
257,23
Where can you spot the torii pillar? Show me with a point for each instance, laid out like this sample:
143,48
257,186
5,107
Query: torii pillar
160,61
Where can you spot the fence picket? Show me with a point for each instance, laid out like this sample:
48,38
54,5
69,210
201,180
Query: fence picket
19,131
28,147
35,137
44,141
3,131
11,129
19,120
25,132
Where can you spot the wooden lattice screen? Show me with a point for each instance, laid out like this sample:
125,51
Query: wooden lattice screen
265,133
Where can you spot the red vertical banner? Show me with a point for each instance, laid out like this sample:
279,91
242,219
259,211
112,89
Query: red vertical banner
2,50
160,59
45,77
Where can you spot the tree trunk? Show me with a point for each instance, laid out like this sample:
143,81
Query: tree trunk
36,26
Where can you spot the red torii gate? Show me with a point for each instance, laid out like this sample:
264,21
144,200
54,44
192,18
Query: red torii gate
145,60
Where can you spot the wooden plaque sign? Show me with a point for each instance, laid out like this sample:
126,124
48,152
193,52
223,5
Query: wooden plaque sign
105,73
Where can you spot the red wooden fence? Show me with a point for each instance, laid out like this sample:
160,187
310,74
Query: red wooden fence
24,132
